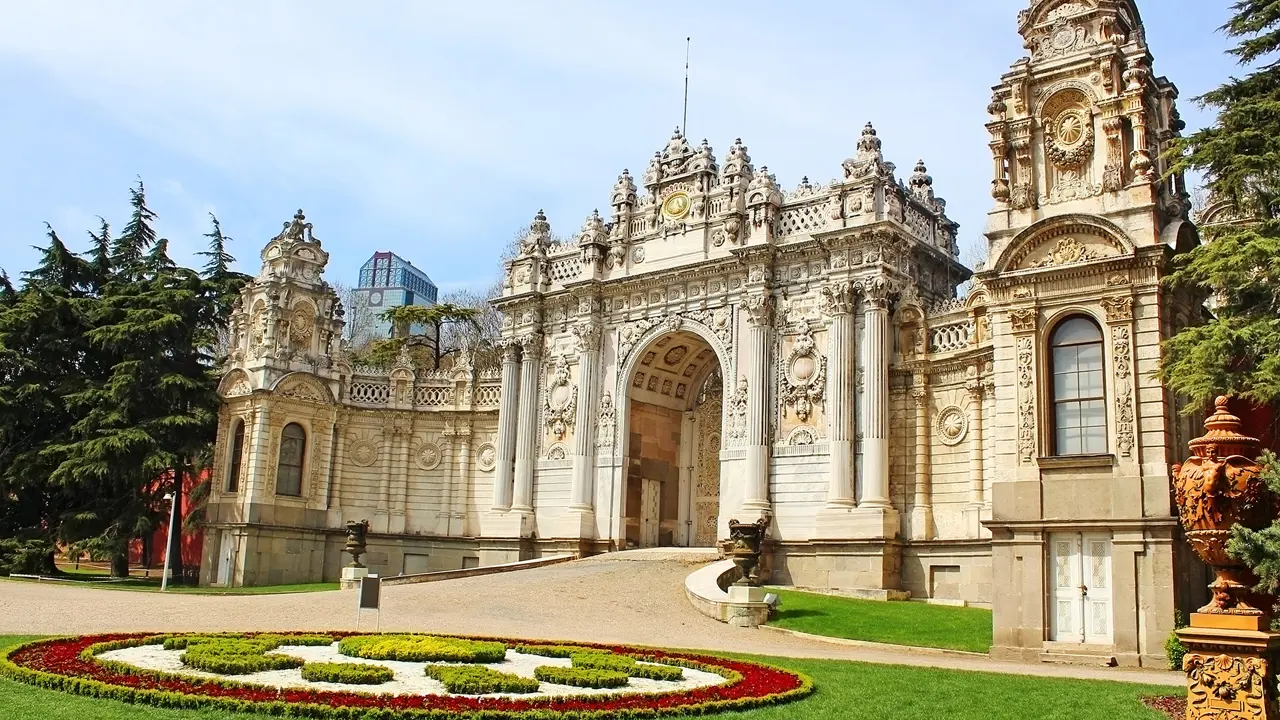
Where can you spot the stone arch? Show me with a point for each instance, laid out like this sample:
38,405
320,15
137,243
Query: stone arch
234,384
627,363
303,386
1059,93
1041,232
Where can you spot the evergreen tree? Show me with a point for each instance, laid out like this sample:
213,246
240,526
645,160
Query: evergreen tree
421,328
1237,352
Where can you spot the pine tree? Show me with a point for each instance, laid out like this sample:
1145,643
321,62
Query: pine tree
1237,352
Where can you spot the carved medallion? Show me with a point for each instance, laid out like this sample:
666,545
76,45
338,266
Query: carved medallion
804,376
677,205
486,457
952,425
364,452
428,456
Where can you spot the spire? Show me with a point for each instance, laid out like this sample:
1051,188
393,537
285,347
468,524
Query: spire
922,182
538,239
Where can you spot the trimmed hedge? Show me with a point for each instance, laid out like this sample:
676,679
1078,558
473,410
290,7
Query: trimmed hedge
478,680
553,651
581,677
626,664
422,648
347,673
237,657
69,665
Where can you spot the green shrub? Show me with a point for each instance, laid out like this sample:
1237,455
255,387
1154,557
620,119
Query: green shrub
626,664
1174,650
228,656
347,673
275,640
422,648
302,640
554,651
477,680
581,677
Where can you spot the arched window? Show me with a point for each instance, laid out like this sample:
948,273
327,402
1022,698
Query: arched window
1079,397
293,447
233,460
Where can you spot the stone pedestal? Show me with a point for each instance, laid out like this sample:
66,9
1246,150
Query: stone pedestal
578,524
351,577
746,607
873,523
1231,667
509,524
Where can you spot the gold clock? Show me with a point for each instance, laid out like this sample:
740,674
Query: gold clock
677,205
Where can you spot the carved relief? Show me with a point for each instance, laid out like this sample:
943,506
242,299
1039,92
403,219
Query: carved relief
428,456
607,422
803,376
304,389
486,457
737,420
803,435
952,425
1118,308
561,401
1023,319
1066,252
1226,686
363,451
302,324
1121,344
1026,400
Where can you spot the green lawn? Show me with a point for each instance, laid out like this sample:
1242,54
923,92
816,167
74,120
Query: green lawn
900,623
153,585
845,691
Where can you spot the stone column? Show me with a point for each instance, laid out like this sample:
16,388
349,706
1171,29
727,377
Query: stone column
976,391
504,472
527,429
922,503
759,344
255,479
839,301
581,496
875,515
875,406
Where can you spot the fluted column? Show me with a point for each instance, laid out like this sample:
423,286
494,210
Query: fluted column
976,391
875,404
508,410
922,502
759,307
260,460
839,304
527,430
581,497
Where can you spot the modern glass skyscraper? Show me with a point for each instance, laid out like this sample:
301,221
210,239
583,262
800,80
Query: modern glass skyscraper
386,281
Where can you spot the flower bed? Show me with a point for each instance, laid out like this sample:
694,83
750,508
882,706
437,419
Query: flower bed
581,677
421,648
626,664
476,680
70,665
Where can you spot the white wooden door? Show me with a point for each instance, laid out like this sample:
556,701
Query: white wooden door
650,508
1081,593
226,558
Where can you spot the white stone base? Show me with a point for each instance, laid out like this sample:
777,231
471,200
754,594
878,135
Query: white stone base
578,524
856,523
922,523
834,522
508,524
973,516
351,577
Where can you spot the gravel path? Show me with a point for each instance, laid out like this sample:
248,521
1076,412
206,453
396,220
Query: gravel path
609,598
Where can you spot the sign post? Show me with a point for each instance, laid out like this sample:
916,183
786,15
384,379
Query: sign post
369,598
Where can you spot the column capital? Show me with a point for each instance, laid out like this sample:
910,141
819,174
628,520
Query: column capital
759,307
838,297
586,336
532,345
510,349
875,292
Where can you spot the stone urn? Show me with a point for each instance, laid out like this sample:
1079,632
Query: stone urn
356,532
1221,486
745,541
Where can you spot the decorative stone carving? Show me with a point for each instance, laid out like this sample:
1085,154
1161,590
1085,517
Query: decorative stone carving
428,456
803,435
557,452
1219,487
304,390
607,422
837,298
747,540
537,241
486,457
952,425
586,336
1226,686
737,411
759,307
239,388
302,324
561,401
364,452
1026,400
1023,319
1067,251
803,376
356,533
1118,308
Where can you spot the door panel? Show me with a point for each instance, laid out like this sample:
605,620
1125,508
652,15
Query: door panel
1080,598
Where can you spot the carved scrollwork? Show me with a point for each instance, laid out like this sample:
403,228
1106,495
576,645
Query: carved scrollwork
1226,686
607,422
803,435
561,401
1066,252
803,377
837,298
759,307
1023,319
737,410
1026,400
1118,308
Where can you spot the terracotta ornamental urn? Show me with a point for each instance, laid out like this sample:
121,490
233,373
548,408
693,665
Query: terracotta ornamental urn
1221,486
746,539
356,532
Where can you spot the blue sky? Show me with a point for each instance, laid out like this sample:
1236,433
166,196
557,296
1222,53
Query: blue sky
437,129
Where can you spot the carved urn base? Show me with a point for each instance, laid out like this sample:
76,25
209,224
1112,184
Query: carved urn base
1230,673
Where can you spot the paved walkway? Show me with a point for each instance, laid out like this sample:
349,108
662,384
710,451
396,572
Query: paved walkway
601,599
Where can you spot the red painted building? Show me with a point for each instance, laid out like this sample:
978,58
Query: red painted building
149,552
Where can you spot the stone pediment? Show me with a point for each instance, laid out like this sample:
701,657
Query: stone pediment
304,387
1064,241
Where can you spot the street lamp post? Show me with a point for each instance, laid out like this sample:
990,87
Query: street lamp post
168,546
